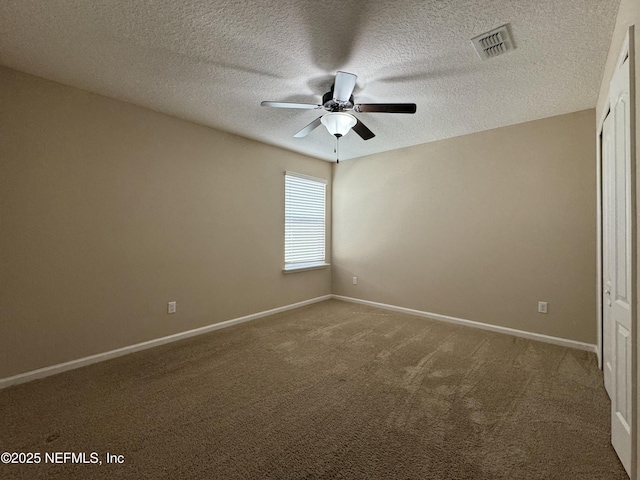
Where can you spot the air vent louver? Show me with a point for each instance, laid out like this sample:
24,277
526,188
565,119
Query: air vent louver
493,43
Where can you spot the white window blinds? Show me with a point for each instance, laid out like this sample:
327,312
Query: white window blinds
304,220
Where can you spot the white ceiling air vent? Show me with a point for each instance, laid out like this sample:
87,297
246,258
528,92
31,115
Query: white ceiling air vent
493,43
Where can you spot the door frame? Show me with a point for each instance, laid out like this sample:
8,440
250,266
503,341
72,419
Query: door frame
599,240
627,50
629,46
624,53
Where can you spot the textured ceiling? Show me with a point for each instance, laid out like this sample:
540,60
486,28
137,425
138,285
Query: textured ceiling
213,61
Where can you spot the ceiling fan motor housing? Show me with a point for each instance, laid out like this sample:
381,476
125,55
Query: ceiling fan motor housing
338,101
334,106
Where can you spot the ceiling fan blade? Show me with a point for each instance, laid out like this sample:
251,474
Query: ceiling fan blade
343,86
362,130
306,130
386,107
308,106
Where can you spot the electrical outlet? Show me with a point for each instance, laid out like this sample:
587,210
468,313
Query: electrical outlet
171,307
542,307
355,280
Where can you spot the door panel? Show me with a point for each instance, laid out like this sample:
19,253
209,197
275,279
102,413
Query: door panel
623,390
607,252
617,246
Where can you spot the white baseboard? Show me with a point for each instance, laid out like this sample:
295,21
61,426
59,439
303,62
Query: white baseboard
470,323
81,362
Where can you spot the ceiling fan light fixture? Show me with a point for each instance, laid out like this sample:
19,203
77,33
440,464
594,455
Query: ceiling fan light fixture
338,123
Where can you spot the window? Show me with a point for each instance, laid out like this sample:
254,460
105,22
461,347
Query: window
304,222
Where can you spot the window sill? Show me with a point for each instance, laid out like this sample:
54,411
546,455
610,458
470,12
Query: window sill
304,267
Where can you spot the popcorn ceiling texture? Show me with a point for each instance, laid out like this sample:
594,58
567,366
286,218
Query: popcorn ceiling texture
213,61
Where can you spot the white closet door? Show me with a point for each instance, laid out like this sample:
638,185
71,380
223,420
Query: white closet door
617,238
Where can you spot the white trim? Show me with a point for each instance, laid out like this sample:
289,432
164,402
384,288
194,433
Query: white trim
599,316
81,362
304,267
624,51
471,323
307,177
599,289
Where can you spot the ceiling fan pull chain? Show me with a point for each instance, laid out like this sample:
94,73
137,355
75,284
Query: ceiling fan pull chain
337,149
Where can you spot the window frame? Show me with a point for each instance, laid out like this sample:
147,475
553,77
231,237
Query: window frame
308,264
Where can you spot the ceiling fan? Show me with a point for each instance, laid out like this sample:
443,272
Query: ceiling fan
337,102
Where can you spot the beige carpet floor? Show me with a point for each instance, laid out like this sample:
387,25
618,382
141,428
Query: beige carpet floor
332,390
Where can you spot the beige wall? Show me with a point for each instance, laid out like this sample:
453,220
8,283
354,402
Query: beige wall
108,211
479,227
